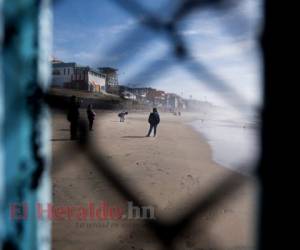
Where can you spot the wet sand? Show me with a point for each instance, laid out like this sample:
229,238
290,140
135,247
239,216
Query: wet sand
170,173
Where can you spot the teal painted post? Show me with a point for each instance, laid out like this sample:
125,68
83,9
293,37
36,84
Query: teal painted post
24,126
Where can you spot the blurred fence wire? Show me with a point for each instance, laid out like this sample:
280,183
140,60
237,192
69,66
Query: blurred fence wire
26,175
159,25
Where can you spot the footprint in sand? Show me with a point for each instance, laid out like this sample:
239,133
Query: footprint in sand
188,181
141,163
163,171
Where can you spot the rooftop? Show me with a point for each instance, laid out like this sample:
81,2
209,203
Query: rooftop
107,69
63,65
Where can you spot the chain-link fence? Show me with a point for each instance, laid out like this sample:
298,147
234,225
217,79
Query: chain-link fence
25,71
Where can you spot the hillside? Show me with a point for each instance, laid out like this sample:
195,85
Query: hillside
83,94
59,98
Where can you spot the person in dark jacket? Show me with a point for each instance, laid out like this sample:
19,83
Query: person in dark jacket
122,116
73,117
154,121
91,116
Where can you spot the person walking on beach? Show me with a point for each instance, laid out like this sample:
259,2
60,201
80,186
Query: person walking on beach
122,116
154,121
73,117
91,116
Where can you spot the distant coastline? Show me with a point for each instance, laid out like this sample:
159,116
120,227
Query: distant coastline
59,98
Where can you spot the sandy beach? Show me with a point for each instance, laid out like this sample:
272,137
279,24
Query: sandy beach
170,173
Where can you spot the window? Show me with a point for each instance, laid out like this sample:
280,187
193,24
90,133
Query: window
55,72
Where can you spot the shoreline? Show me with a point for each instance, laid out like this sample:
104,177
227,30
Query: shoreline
169,172
233,147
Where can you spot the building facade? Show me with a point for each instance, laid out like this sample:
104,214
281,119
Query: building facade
111,82
175,102
62,73
69,75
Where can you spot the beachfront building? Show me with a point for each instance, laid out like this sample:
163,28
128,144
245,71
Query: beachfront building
70,75
128,95
156,97
111,82
174,102
62,73
140,93
145,95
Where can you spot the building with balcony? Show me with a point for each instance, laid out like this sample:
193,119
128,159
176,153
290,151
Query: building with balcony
70,75
111,82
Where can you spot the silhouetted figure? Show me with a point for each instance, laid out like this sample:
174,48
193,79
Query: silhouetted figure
91,116
73,117
154,121
122,116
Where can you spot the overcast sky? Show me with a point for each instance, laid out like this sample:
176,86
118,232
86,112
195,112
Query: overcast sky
221,41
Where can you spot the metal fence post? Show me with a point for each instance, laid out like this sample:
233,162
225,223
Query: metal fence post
24,130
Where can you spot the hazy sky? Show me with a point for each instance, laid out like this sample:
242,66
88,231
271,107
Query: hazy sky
221,42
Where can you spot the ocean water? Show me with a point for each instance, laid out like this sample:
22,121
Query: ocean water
234,139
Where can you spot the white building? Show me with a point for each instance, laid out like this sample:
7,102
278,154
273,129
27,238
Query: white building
112,82
69,75
128,95
62,73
